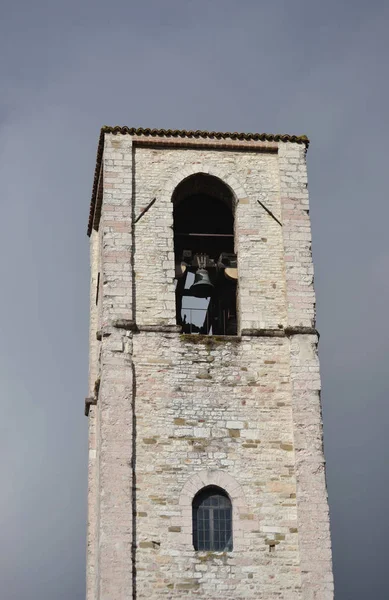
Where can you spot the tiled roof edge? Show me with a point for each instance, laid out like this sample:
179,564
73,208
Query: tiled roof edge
268,137
180,133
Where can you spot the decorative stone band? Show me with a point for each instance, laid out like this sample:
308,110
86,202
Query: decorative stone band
281,332
129,325
245,146
242,519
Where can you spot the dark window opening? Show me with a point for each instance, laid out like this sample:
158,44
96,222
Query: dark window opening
212,520
206,263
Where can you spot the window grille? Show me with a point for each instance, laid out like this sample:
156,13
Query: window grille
212,520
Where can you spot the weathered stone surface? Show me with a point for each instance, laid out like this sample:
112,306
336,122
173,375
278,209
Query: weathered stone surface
176,413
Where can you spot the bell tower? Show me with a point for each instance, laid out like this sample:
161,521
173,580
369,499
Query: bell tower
206,466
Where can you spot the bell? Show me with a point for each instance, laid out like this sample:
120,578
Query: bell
202,286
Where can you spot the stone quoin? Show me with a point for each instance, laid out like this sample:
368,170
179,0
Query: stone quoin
206,466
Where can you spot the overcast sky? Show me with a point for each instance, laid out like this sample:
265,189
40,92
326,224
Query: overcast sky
291,66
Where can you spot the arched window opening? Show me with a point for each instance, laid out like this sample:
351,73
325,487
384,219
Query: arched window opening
212,520
206,263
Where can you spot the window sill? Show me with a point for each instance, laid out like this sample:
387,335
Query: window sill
197,338
205,555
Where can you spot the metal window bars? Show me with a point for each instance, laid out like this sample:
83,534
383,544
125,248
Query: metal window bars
202,321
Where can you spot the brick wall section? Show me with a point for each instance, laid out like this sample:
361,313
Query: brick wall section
242,413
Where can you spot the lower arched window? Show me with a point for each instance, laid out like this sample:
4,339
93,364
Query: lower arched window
212,520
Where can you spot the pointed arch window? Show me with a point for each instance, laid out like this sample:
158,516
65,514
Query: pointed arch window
212,520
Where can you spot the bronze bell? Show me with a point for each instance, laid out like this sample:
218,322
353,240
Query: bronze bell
202,286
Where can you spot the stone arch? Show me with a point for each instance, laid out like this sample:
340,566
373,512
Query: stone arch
223,316
230,180
242,519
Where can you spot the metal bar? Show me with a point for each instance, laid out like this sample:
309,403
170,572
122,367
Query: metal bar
205,234
144,211
269,212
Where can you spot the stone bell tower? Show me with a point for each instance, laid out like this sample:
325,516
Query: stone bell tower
206,467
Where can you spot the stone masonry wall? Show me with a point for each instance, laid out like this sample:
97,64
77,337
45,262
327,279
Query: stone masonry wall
258,237
176,413
92,454
314,532
223,407
116,378
296,233
313,515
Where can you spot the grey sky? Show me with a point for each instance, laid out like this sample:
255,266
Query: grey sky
67,68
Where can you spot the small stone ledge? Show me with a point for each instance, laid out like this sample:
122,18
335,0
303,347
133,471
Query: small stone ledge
100,334
88,403
263,332
92,400
284,332
130,325
209,340
196,338
159,328
127,324
299,330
